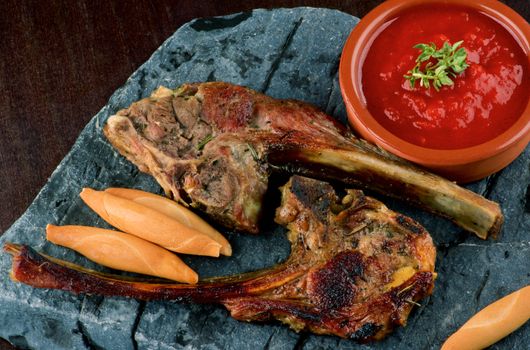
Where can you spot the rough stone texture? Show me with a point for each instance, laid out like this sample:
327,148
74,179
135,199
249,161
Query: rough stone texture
285,53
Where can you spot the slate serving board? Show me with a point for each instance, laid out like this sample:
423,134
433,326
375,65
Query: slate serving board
286,53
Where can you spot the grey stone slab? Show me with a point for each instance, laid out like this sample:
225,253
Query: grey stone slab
287,53
205,327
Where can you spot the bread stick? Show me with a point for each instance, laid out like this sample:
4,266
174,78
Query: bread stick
121,251
174,210
149,224
492,323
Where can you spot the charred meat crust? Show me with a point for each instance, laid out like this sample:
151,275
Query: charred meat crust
355,269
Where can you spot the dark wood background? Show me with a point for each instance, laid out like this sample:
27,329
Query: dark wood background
60,61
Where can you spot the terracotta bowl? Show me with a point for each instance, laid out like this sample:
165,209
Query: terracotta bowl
462,165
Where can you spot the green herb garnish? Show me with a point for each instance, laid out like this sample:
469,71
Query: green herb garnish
406,289
204,141
451,61
253,152
410,301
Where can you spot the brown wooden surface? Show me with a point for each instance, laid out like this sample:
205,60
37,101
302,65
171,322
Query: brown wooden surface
61,60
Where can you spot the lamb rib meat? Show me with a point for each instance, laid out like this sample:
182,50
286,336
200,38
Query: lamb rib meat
213,145
355,269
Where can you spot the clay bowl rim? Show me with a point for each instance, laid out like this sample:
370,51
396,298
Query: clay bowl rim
353,55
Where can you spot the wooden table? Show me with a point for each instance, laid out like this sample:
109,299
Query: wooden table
61,60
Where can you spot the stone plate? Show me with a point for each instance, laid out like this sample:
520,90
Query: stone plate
286,53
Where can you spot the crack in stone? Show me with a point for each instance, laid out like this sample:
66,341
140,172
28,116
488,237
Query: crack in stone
444,248
85,337
141,309
302,339
333,74
141,80
97,300
268,343
491,182
276,63
215,23
327,109
61,217
481,286
527,200
207,316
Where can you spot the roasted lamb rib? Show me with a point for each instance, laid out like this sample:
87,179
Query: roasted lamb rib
213,146
355,269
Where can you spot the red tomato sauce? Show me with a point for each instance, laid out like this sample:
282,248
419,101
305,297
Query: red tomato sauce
485,100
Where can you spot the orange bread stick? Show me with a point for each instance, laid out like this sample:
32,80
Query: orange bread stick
149,224
122,251
176,211
492,323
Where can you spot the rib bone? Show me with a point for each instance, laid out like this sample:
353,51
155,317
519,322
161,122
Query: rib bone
213,146
355,269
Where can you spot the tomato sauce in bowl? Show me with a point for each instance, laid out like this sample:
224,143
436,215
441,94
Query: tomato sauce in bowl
465,131
484,101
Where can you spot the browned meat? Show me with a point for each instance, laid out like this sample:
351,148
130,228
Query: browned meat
212,146
355,270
